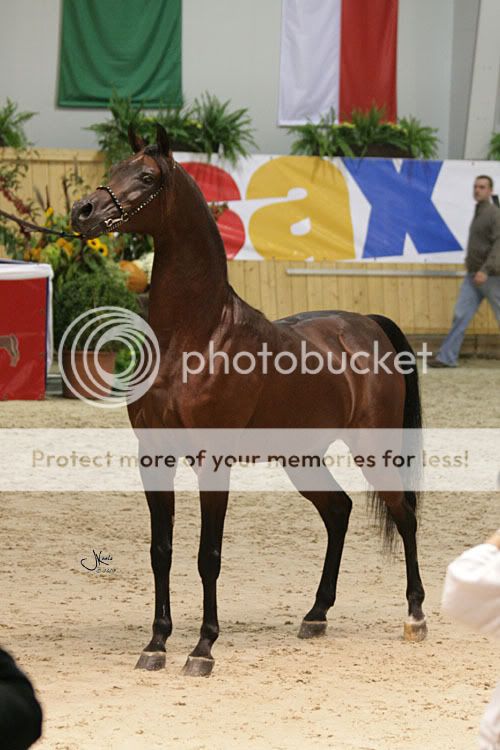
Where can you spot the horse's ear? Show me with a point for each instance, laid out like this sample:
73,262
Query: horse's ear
162,140
136,142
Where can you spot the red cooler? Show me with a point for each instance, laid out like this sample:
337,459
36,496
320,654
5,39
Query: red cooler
25,329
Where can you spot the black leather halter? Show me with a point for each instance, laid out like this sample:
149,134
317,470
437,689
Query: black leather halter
112,224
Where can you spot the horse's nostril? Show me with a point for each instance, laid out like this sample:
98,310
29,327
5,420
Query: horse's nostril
85,211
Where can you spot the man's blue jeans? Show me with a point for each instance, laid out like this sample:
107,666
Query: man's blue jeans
469,299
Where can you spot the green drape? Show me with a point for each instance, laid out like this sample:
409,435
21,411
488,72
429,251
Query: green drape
133,46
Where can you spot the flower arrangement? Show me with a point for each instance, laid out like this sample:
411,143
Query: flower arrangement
72,255
68,256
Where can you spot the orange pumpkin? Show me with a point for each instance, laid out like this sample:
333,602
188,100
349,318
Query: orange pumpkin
137,280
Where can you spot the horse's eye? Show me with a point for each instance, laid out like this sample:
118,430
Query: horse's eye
148,179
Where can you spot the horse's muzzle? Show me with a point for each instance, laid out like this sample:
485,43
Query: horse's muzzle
82,216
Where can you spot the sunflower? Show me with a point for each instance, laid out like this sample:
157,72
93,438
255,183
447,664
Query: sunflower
96,244
48,215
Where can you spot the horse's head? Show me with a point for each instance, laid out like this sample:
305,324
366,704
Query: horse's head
135,185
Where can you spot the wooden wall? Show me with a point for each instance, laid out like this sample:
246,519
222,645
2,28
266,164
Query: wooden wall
420,305
46,169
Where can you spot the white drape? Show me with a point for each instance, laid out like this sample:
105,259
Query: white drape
310,60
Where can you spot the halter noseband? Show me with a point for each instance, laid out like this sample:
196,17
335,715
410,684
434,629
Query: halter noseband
112,224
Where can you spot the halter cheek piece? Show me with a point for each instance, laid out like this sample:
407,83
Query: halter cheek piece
112,224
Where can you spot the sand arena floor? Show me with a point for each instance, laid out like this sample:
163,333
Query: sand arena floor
78,634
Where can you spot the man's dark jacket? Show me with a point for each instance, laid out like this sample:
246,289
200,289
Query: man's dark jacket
20,712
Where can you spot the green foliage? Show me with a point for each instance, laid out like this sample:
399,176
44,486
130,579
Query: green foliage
12,173
364,132
12,122
124,359
69,261
369,129
8,239
182,127
84,292
112,135
222,131
323,139
494,148
206,126
420,140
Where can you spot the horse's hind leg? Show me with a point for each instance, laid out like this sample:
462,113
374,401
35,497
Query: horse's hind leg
334,507
400,506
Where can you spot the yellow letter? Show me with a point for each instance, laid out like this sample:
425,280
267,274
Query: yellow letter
325,229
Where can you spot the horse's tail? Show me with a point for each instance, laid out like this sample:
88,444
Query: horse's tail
412,436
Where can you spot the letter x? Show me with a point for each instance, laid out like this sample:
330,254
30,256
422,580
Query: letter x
401,204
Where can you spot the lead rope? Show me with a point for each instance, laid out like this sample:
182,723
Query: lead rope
28,226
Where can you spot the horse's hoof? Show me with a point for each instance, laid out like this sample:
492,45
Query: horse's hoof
152,660
198,666
312,628
415,630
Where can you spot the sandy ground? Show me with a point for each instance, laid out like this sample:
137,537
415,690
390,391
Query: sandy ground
78,634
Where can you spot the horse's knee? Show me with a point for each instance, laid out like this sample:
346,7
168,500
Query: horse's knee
209,563
161,555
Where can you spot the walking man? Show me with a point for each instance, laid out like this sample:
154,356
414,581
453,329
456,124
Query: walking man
483,272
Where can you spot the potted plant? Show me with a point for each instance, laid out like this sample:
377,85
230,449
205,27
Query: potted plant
75,297
222,131
325,138
420,140
365,134
207,126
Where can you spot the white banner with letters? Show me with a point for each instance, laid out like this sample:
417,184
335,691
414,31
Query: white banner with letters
301,208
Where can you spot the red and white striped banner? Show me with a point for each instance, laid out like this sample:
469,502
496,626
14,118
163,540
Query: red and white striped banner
337,53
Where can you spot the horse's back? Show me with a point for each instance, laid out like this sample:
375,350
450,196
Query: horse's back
339,329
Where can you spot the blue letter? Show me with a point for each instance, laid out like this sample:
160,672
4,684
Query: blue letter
401,204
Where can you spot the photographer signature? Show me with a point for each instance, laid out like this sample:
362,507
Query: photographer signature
99,559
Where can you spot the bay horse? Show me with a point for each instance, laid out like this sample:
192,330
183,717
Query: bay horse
192,304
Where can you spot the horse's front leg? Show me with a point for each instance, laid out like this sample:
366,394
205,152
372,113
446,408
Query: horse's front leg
162,509
213,511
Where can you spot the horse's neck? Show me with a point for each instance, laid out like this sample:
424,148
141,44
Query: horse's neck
189,286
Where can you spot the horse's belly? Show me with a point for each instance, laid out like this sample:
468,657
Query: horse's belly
321,400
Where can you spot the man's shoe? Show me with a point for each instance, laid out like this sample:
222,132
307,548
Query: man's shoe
437,363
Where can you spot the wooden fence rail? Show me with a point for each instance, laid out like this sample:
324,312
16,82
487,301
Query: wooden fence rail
420,304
